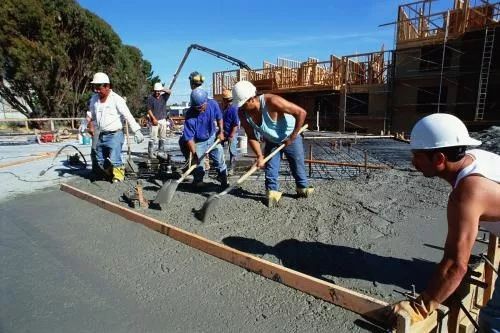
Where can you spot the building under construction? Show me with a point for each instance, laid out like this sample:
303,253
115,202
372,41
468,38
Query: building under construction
443,62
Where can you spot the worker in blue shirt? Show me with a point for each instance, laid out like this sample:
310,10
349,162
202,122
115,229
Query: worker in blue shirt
231,127
199,134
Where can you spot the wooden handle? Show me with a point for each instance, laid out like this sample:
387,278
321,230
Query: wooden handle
268,157
128,139
192,167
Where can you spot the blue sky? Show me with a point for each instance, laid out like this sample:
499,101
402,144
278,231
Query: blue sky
252,31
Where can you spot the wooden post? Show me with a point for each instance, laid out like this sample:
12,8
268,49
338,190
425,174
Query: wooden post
310,158
26,125
489,275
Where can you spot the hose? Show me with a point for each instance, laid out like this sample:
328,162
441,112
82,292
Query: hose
57,154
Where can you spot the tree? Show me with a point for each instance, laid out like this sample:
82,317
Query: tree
49,51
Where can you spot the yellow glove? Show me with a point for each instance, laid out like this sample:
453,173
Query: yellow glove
418,309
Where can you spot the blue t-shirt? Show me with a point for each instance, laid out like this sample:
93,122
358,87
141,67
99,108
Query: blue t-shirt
231,119
274,131
200,126
158,106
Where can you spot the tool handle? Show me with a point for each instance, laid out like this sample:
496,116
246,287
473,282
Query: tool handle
266,159
192,167
128,139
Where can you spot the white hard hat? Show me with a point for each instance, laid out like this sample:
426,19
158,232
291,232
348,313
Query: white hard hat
100,77
440,130
242,91
158,86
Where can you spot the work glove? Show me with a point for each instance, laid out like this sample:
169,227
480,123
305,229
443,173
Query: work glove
138,137
417,309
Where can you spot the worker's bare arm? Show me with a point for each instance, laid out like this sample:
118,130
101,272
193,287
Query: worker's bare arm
466,205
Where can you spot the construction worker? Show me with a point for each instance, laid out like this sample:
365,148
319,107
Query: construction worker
276,121
231,127
106,109
200,133
438,144
195,81
157,114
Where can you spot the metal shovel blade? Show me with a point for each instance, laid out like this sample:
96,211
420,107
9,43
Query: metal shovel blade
166,193
133,167
208,208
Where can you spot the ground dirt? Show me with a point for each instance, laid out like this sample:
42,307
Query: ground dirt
68,265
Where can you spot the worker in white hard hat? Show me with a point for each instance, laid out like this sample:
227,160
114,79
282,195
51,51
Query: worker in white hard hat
274,120
439,146
106,110
231,127
157,113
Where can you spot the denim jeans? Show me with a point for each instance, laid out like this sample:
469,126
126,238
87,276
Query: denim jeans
110,146
233,152
489,316
295,156
216,155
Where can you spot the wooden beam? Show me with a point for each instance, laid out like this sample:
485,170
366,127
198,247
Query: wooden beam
26,160
489,276
364,305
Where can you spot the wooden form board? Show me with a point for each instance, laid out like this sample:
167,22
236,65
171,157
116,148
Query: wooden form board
27,160
366,306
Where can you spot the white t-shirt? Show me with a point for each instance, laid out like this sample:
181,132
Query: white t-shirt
486,164
108,116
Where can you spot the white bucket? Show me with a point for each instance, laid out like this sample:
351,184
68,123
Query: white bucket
242,144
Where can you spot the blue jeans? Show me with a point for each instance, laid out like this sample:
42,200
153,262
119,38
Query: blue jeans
233,152
295,156
109,146
489,316
216,155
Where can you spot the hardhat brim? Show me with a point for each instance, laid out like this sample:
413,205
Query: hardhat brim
239,103
469,142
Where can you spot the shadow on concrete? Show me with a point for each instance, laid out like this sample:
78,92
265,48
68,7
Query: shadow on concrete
320,260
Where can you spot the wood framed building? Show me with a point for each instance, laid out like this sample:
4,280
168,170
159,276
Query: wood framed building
443,62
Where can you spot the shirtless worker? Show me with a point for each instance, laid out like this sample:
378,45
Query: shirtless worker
438,144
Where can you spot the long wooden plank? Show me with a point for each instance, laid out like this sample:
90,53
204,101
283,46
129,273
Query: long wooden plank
346,298
26,160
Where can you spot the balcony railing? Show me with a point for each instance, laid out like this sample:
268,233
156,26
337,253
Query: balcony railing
289,75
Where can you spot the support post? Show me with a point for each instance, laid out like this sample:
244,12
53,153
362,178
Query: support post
489,275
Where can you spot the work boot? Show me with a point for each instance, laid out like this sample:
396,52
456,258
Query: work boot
273,197
305,192
118,174
151,149
222,178
199,185
161,145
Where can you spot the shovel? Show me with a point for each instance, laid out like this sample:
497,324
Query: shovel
167,191
130,163
210,203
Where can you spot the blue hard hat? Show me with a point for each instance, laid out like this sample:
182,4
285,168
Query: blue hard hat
198,97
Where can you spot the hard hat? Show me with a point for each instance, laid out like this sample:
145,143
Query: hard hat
157,86
198,97
100,78
440,130
227,94
242,91
196,77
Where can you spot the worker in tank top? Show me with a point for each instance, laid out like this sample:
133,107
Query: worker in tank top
276,121
438,145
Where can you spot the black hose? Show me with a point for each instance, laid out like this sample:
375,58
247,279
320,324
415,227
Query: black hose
57,154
